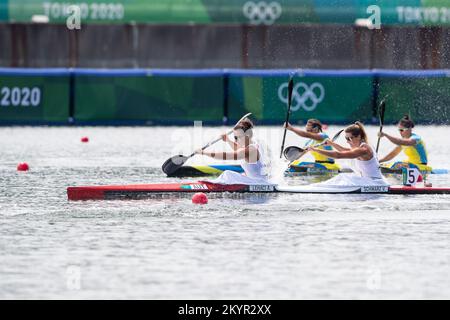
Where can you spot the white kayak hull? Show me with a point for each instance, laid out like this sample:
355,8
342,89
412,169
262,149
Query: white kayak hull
167,189
335,189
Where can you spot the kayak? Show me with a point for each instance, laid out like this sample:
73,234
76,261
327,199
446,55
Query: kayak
396,168
204,170
297,168
145,191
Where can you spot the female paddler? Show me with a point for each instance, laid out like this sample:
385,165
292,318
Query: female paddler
410,143
248,151
365,165
314,132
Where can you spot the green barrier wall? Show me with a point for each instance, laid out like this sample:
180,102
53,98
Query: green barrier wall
330,99
180,99
425,99
156,96
416,12
34,99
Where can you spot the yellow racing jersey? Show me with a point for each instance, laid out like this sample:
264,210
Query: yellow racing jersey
317,156
416,154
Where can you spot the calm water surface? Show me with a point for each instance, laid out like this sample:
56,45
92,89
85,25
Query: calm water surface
244,247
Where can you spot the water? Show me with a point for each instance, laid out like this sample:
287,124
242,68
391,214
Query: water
245,247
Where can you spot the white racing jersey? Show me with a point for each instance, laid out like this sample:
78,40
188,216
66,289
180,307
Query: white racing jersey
255,173
365,173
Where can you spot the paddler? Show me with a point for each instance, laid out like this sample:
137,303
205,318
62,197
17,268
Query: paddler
314,132
410,143
365,165
248,151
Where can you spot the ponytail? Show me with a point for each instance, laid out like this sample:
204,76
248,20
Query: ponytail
246,126
316,124
406,122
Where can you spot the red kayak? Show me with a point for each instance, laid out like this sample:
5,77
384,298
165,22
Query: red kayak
144,191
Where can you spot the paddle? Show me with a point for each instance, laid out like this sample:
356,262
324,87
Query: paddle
293,153
174,163
290,88
381,110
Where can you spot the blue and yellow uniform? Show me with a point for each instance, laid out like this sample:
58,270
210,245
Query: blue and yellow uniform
416,154
417,157
320,158
322,164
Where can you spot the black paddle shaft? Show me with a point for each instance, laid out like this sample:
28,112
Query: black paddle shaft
381,110
290,88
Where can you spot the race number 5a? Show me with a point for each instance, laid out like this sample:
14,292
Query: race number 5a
411,176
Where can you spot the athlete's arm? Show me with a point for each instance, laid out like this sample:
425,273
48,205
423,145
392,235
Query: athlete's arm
350,154
336,146
235,155
250,154
391,155
303,133
234,146
399,141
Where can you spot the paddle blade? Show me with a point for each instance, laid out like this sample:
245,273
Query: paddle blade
173,164
293,153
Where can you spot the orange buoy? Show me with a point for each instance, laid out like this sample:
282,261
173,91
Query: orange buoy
199,198
23,166
85,139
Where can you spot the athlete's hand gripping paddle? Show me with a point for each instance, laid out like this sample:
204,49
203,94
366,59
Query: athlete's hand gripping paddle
293,153
174,163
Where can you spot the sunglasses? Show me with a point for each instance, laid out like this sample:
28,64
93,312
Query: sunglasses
402,129
349,138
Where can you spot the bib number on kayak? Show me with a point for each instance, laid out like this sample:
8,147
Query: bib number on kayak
410,176
261,188
374,189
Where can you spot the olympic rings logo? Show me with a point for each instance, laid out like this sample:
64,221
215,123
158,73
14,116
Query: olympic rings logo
262,12
307,97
